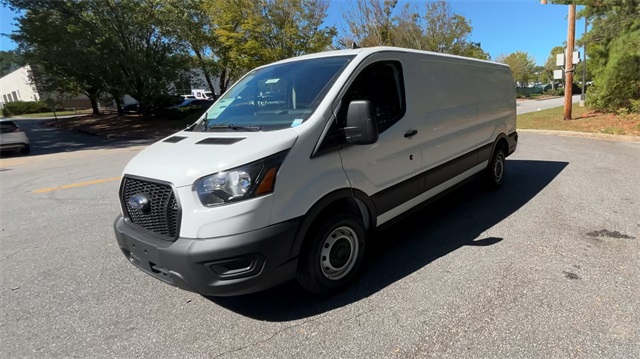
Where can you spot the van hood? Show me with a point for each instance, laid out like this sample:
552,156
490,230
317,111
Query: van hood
184,157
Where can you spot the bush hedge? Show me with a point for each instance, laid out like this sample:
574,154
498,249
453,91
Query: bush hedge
24,107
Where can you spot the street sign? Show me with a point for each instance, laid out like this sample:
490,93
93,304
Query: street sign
558,74
560,58
576,57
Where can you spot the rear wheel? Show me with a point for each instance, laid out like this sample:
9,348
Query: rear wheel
496,169
333,254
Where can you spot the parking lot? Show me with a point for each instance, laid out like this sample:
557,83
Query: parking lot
548,266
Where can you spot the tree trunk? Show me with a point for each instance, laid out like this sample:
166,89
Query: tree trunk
94,105
116,99
223,77
205,72
92,93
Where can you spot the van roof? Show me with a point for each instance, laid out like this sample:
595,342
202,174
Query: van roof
366,51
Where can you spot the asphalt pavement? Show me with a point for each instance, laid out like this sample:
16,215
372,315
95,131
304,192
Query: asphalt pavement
49,140
546,267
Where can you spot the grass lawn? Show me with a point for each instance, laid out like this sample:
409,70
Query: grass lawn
50,114
584,120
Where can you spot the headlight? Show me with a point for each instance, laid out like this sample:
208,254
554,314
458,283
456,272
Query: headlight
252,180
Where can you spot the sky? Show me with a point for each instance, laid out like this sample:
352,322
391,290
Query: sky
501,26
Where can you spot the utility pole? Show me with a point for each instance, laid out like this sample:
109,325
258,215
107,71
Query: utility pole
568,61
568,64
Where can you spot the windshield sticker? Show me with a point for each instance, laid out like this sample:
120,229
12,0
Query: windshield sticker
272,81
296,122
217,109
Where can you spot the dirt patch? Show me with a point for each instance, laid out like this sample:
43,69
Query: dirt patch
127,126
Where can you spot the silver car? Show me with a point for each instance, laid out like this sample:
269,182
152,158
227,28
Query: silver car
13,138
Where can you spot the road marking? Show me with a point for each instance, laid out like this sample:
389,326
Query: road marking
74,185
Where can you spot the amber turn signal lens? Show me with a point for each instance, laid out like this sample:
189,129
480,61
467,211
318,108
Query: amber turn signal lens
266,185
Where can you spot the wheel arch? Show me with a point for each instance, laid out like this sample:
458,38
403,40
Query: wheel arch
501,141
347,199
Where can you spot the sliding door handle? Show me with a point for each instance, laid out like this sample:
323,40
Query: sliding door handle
410,133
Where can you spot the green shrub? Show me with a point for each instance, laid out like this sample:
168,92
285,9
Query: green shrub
24,107
555,92
617,85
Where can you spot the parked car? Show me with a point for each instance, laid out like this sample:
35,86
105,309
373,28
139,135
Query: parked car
193,102
12,137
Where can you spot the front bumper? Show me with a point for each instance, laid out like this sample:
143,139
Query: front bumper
13,145
221,266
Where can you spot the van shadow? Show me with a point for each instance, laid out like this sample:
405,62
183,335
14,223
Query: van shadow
455,220
45,139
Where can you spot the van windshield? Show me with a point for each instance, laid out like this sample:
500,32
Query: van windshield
274,97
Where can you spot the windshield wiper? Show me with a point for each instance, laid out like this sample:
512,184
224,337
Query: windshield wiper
236,127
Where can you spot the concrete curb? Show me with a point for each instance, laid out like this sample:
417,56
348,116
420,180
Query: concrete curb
600,136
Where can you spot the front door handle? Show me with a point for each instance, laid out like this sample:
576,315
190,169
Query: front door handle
410,133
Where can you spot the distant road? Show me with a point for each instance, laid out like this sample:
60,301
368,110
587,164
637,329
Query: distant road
535,105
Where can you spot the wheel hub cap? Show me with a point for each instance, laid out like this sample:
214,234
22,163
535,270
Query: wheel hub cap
339,253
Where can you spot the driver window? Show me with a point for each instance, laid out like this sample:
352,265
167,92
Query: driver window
381,84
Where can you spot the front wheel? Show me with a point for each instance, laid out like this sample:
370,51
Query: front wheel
496,169
333,254
25,150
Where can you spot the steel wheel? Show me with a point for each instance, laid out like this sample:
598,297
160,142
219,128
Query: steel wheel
495,171
498,167
339,252
332,254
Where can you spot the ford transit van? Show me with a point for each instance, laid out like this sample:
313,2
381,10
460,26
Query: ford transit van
291,170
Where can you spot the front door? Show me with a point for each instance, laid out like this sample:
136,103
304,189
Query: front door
385,170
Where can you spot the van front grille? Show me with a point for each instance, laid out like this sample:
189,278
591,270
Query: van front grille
161,214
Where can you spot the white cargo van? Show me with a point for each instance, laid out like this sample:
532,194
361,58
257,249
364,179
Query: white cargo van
289,172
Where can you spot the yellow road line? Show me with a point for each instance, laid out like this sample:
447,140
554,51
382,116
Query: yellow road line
74,185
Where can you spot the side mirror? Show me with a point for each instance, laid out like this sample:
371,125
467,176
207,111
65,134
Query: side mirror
362,128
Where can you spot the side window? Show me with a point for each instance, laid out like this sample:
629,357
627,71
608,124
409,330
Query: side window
381,84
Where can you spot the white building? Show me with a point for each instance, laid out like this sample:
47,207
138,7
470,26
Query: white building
17,86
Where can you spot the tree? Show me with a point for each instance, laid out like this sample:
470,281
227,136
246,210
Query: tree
522,66
614,55
9,62
253,33
145,58
50,38
287,28
448,32
433,28
112,46
369,23
193,27
550,65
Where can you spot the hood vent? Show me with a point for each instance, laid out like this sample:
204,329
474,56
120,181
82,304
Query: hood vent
220,140
174,139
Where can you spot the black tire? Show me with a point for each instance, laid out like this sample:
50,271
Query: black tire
496,169
333,254
25,150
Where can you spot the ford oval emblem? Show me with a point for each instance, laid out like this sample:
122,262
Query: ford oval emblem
139,201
